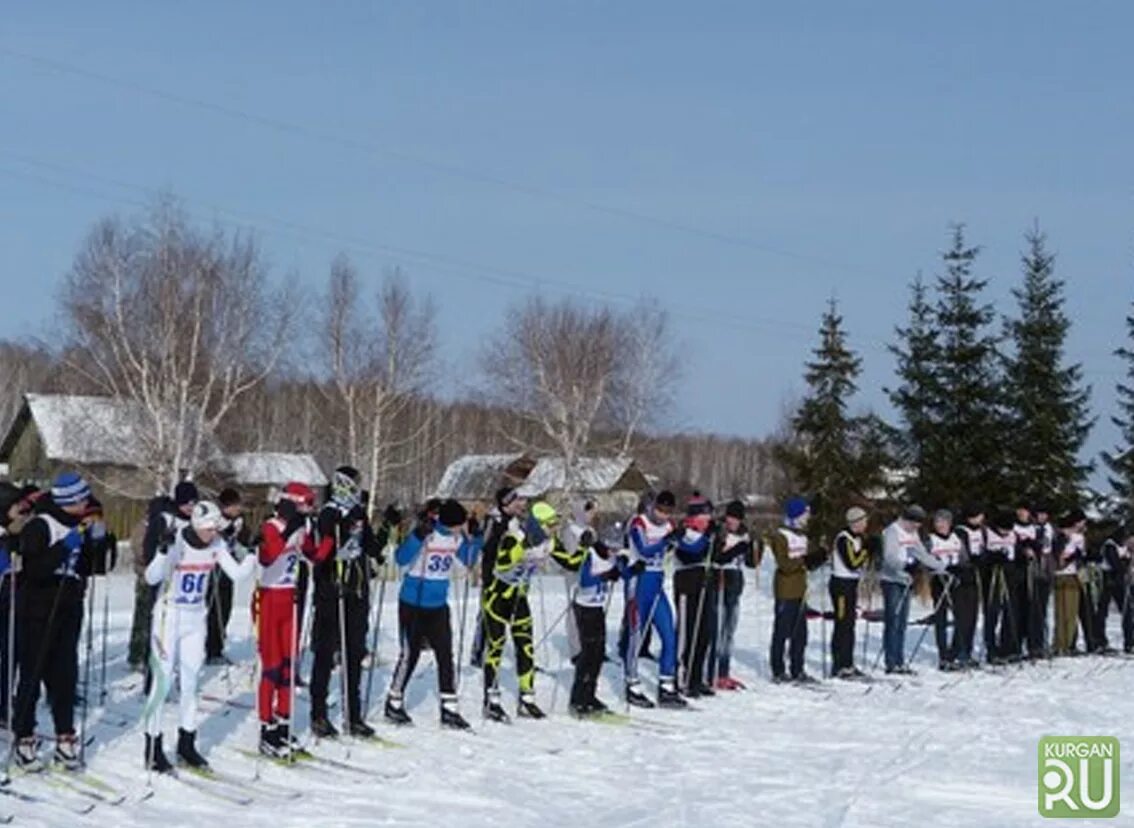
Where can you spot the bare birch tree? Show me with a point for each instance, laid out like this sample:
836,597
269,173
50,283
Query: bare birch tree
647,373
177,324
555,364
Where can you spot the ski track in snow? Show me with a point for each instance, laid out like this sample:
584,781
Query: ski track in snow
774,755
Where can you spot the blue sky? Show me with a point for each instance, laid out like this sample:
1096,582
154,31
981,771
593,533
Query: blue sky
742,162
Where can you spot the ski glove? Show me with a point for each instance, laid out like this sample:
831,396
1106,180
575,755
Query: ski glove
423,528
392,516
587,539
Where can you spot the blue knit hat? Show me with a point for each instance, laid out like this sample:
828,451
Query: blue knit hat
69,489
794,508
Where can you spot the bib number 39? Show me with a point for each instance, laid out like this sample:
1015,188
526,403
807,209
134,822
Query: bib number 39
439,564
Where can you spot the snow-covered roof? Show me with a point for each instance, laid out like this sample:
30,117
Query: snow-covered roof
477,476
269,468
592,475
89,430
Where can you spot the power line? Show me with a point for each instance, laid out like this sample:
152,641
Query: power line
466,268
445,168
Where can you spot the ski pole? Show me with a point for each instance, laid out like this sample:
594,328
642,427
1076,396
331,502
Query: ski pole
87,672
823,625
105,629
375,639
461,630
542,616
344,670
11,665
946,595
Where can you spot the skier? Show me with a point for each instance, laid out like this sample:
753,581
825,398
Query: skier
346,545
1068,550
902,553
522,551
56,555
509,510
1042,573
583,514
428,554
15,511
219,599
164,518
650,535
182,570
732,549
947,589
849,558
1000,634
1116,552
287,538
597,571
1021,576
795,557
696,616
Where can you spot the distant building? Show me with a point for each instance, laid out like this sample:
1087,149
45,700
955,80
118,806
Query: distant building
474,478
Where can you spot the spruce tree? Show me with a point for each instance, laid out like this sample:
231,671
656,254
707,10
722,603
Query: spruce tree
1120,462
968,422
916,397
820,459
1047,413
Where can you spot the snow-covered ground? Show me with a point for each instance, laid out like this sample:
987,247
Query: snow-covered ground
934,751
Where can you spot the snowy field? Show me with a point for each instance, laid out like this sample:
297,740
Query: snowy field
933,751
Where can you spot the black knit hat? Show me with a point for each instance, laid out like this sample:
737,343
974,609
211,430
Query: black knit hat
1071,518
734,509
665,499
504,496
452,514
228,497
185,493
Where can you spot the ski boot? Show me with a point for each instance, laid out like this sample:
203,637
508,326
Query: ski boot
67,752
187,750
527,708
155,757
597,708
581,710
395,711
669,697
321,728
271,743
701,689
288,741
493,710
450,716
635,697
846,674
26,755
361,730
804,678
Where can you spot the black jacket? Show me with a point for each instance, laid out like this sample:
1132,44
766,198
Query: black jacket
56,557
343,530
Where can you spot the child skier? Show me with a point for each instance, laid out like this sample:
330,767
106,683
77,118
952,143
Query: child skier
650,533
56,555
182,570
599,568
505,605
849,558
696,616
428,554
286,538
732,549
795,557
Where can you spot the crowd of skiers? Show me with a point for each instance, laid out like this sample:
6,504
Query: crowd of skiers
190,551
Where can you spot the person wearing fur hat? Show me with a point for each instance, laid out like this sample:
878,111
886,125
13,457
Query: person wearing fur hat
523,550
346,546
903,552
427,556
732,550
1068,550
795,557
696,616
56,556
849,559
507,513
